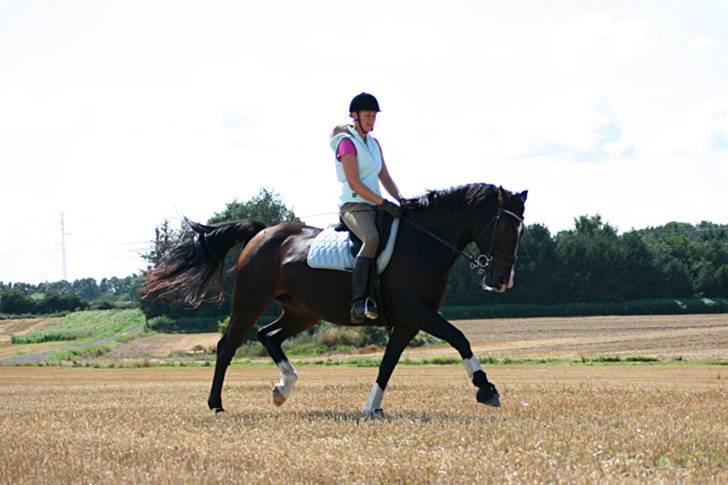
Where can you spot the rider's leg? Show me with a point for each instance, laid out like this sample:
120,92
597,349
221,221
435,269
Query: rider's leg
360,219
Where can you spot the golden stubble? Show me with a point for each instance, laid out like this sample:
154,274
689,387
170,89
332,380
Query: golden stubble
558,424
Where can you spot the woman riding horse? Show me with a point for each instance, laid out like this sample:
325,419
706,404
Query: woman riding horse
360,167
272,266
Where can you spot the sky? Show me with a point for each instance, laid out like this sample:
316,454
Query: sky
121,114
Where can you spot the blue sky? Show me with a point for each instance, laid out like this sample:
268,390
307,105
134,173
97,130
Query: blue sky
122,114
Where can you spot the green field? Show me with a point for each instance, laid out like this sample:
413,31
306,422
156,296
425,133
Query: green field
93,324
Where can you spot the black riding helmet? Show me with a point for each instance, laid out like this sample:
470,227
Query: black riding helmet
363,102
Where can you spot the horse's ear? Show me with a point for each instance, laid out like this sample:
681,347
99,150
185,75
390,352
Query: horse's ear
524,195
500,195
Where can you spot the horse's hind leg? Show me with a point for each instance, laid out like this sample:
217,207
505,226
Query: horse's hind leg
246,310
291,322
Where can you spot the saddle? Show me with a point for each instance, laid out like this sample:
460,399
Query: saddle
335,247
382,220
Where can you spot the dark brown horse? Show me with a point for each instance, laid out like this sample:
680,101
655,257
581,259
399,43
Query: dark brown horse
272,266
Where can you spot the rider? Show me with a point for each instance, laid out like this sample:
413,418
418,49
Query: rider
360,167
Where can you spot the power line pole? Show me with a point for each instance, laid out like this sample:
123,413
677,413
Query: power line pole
63,247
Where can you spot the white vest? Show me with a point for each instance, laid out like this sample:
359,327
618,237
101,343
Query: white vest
369,158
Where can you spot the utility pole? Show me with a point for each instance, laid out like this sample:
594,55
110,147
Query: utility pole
63,247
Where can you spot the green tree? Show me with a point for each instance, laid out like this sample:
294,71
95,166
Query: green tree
265,206
590,258
538,268
86,288
60,302
13,301
165,238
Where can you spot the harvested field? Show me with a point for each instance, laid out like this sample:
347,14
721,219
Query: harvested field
577,424
691,337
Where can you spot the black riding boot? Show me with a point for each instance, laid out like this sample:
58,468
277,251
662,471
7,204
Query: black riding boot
362,306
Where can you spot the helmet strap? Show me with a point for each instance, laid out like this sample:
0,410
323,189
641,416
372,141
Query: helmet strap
357,122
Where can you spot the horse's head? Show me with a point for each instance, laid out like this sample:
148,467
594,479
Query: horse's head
497,234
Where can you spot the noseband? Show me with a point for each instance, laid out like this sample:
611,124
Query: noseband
484,261
481,262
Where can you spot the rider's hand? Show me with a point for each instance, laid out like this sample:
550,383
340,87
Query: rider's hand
390,208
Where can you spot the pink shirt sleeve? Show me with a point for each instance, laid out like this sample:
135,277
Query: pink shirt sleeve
346,147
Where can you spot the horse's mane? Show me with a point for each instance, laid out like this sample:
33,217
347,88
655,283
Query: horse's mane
452,200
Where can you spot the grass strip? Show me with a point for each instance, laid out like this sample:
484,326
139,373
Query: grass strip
75,359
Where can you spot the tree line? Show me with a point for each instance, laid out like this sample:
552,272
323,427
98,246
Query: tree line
593,263
65,296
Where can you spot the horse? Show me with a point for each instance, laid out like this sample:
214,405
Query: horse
272,267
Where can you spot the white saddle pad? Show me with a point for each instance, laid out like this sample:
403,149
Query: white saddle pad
331,250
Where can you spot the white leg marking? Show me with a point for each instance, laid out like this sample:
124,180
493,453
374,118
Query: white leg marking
472,365
375,399
513,275
288,379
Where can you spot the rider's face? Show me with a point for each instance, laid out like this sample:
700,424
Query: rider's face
366,120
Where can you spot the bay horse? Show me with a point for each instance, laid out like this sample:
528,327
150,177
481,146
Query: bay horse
272,266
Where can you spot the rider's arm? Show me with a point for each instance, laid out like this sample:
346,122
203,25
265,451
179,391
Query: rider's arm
388,183
351,171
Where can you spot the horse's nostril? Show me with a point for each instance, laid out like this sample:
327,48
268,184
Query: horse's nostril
502,280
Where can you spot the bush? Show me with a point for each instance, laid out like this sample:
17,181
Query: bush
327,337
102,305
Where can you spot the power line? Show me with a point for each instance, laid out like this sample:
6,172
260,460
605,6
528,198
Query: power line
63,247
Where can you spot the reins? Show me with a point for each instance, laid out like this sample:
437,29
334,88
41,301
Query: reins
482,261
474,263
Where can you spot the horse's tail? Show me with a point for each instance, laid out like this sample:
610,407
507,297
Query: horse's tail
189,269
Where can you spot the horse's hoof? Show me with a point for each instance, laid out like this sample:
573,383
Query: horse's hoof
217,410
278,397
488,395
375,413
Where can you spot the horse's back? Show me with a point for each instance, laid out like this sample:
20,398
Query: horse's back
286,242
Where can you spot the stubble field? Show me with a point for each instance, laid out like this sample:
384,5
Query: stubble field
559,423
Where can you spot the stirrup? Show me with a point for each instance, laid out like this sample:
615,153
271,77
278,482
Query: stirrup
370,309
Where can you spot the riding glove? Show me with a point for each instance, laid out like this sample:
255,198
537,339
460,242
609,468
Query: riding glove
390,208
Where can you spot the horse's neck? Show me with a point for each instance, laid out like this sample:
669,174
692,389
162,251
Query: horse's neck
452,227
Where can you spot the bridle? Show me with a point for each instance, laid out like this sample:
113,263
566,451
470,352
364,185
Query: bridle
482,262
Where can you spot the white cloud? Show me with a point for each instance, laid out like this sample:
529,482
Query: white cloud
700,43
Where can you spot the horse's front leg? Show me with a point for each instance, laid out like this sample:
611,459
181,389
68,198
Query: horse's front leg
399,339
434,324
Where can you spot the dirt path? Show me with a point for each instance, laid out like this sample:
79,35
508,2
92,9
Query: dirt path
164,345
